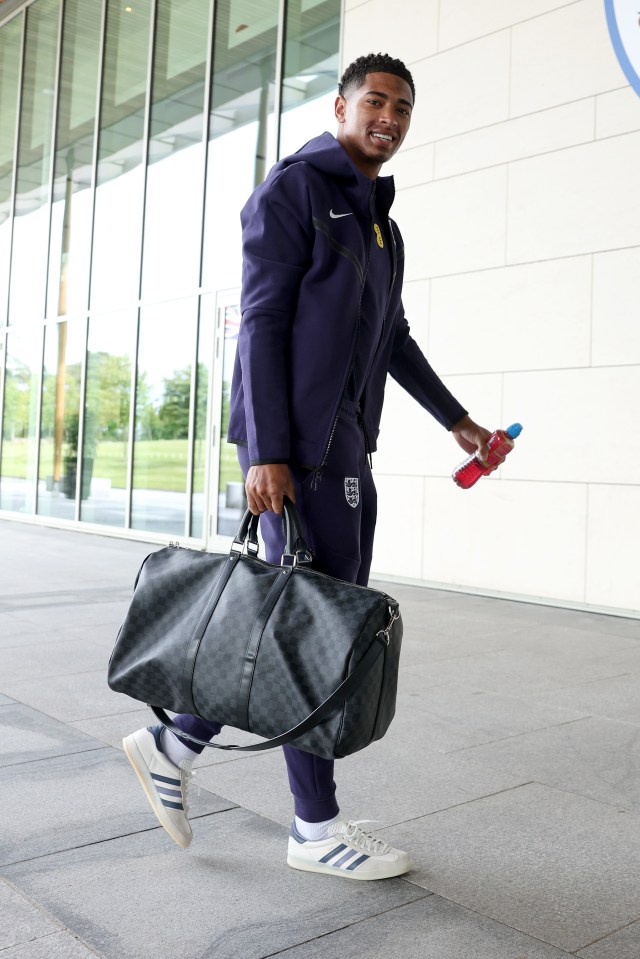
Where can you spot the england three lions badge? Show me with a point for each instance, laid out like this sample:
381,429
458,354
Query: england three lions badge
352,490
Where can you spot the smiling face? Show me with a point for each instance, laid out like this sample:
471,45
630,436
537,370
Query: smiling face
374,120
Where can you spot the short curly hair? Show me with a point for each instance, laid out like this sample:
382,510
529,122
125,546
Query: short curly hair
356,73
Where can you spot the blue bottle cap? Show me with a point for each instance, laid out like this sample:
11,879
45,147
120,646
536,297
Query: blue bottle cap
514,430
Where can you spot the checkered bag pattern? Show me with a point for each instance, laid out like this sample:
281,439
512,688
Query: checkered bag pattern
312,638
318,631
220,658
171,590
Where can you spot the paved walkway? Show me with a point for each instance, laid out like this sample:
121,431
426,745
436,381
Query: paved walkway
511,773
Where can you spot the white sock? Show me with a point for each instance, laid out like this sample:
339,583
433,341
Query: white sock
175,751
315,830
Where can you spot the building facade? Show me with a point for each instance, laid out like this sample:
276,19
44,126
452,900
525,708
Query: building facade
130,136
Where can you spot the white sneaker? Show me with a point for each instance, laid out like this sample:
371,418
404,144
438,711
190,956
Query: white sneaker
349,852
164,783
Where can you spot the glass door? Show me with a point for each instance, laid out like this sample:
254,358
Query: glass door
227,501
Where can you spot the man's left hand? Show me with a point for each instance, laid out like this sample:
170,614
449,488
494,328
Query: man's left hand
471,437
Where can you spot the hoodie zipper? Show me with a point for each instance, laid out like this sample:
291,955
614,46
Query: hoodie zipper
319,470
394,273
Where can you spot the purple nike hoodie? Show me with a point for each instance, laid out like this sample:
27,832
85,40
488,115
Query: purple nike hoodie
306,247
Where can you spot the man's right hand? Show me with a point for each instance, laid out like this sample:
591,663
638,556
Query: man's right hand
266,485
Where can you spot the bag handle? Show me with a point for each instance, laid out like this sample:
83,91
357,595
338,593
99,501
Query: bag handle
337,698
296,551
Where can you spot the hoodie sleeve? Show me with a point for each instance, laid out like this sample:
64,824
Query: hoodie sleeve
410,368
277,239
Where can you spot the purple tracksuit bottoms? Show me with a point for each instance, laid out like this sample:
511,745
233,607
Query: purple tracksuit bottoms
339,519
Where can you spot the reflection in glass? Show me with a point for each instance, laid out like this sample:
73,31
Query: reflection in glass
108,403
160,457
232,501
60,421
70,244
241,128
10,37
206,330
19,442
115,276
173,218
31,225
310,75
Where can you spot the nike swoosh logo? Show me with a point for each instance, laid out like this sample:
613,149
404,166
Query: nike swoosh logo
337,216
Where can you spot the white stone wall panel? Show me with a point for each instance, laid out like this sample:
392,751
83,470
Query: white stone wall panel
507,319
563,56
581,200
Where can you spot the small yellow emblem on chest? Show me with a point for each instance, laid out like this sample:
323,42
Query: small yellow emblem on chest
378,233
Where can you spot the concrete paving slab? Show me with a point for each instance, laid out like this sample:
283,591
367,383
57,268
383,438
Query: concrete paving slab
431,927
75,800
599,758
28,736
25,635
454,716
5,701
112,729
426,644
52,559
624,944
537,666
60,945
71,698
43,660
102,634
558,867
78,613
233,894
393,780
13,631
615,698
20,919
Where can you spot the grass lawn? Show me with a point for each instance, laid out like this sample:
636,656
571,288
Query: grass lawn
158,464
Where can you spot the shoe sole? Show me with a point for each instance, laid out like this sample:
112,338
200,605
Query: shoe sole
141,770
306,866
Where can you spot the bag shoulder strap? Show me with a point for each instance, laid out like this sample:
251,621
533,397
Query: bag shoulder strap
336,699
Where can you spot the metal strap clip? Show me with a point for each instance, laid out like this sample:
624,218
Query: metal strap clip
385,634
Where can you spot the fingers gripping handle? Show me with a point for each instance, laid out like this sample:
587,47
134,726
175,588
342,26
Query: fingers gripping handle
296,551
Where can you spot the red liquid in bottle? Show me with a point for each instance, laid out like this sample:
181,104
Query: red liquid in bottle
500,444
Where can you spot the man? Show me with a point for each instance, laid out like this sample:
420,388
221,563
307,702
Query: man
322,326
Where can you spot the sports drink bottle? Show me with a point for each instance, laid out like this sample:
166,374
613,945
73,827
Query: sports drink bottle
500,443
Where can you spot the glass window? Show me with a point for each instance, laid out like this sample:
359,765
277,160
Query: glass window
232,501
174,193
10,37
241,128
206,330
108,403
115,276
70,244
310,75
19,441
60,421
163,401
31,225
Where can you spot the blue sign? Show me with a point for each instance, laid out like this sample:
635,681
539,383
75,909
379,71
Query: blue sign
623,18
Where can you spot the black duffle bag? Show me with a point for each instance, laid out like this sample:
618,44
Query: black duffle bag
285,652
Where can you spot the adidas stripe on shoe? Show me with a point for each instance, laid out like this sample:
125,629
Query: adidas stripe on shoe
165,784
349,852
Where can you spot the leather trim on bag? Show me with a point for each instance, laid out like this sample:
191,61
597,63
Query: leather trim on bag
248,666
201,627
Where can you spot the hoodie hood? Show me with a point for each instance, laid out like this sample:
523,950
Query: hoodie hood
326,154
